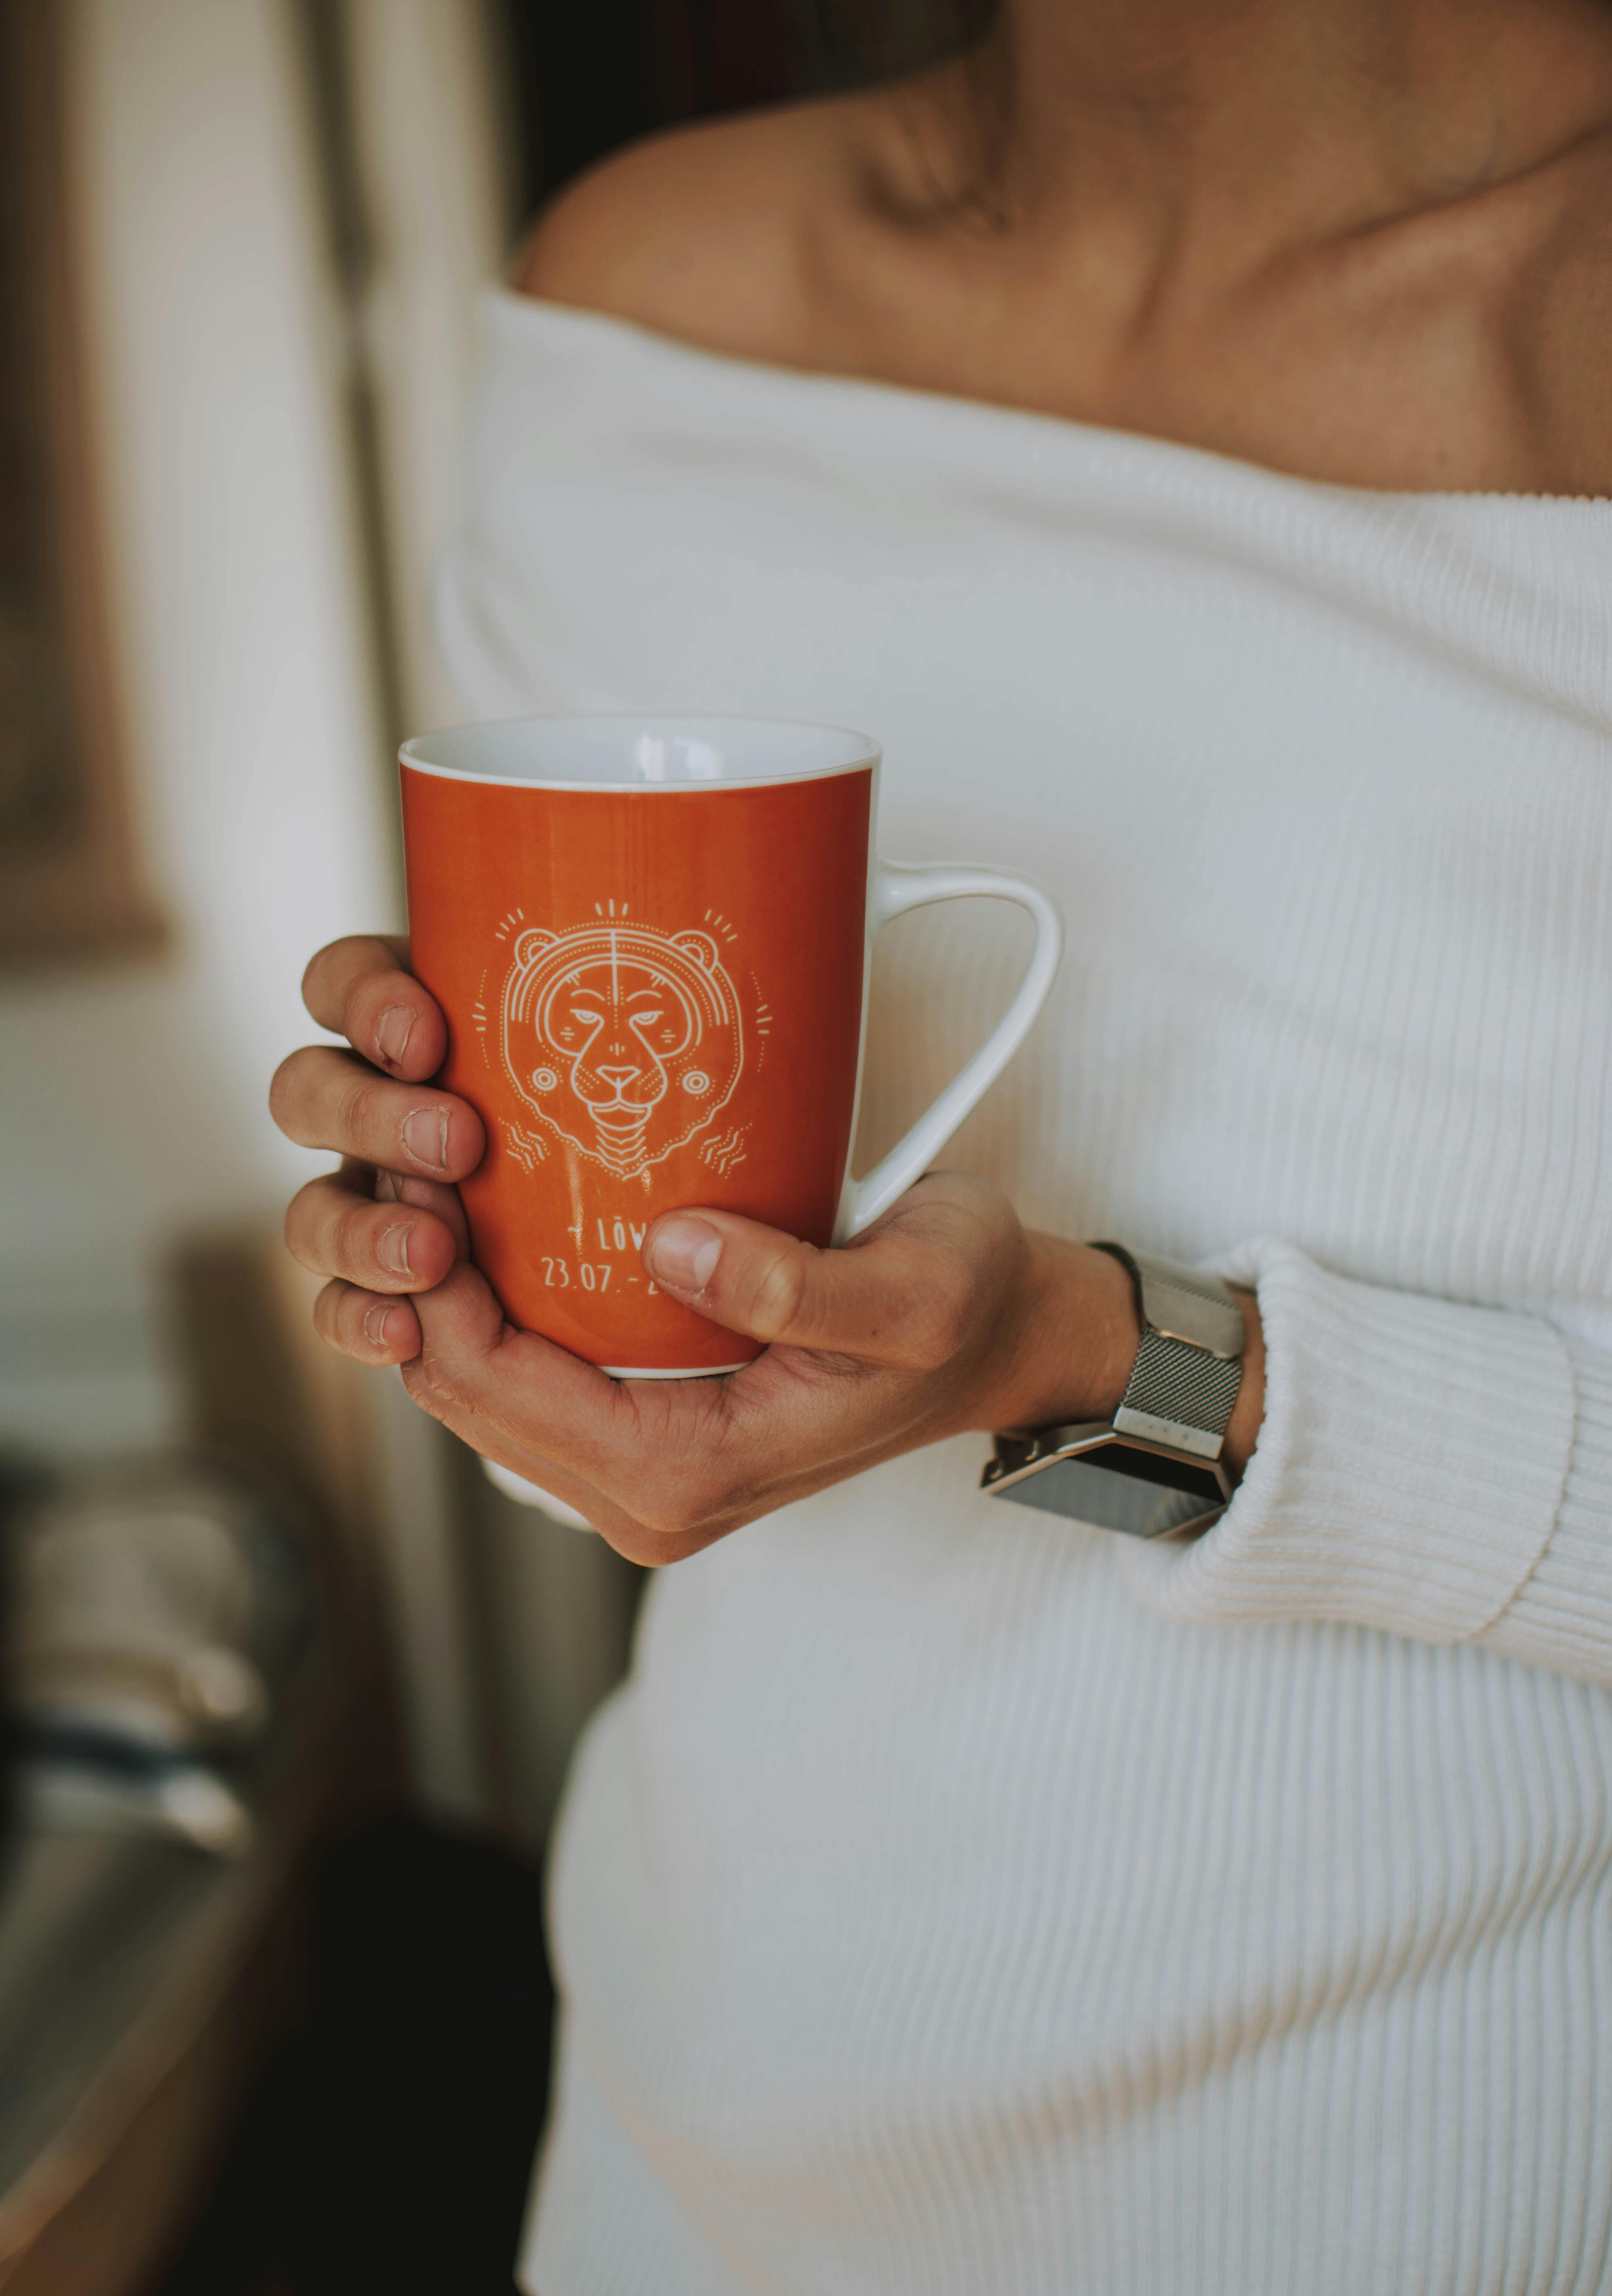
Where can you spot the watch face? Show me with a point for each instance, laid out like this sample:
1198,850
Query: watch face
1116,1487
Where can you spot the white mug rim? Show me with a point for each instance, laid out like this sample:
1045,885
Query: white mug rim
670,724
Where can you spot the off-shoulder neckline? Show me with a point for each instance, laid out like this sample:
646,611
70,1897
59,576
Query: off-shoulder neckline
533,310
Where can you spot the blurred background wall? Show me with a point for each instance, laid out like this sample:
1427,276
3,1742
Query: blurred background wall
246,724
243,242
233,458
274,215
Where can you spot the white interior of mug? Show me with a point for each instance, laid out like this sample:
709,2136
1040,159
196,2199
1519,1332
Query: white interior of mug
640,753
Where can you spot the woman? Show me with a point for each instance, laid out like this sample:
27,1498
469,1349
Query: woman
1181,434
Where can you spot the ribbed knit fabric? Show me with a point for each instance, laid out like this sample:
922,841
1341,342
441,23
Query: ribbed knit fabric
959,1902
1439,1435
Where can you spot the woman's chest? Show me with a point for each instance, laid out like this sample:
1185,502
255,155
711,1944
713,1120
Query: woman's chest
1334,890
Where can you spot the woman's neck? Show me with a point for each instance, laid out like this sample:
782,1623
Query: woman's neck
1255,123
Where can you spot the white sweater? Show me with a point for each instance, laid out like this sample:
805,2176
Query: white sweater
959,1902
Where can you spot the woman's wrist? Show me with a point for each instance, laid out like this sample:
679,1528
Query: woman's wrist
1072,1340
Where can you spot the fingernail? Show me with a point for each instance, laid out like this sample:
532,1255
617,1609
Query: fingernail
375,1324
393,1030
683,1253
393,1248
425,1137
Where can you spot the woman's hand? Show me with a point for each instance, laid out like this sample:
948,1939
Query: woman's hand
947,1315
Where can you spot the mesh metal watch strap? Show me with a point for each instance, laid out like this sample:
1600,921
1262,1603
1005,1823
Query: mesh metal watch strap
1179,1394
1185,1379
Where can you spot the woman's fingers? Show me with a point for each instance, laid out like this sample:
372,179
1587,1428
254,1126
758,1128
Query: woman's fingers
361,990
436,1197
669,1464
658,1469
545,1413
361,1324
476,1368
908,1295
324,1098
337,1226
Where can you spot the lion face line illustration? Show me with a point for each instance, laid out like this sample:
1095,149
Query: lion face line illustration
625,1040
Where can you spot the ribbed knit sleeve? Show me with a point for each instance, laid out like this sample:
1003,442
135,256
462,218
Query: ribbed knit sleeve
1437,1471
1561,1615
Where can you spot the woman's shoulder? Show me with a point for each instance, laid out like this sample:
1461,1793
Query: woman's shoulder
769,237
714,233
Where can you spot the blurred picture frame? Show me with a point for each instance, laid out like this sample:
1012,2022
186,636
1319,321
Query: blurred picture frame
71,889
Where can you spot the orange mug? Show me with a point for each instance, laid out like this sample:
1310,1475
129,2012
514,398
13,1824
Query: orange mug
651,939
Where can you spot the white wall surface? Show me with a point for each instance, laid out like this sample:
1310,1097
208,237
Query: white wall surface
136,1101
435,198
215,346
133,1101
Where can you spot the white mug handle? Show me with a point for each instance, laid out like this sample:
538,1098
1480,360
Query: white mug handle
895,889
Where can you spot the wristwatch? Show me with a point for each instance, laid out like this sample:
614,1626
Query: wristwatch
1154,1468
